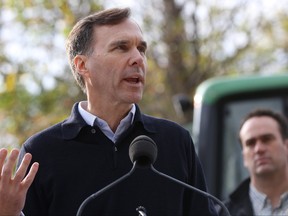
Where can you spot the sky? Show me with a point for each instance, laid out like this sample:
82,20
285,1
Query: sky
121,3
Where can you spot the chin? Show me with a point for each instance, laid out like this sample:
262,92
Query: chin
263,171
135,99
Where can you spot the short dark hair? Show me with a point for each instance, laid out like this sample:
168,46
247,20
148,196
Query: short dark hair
81,36
279,118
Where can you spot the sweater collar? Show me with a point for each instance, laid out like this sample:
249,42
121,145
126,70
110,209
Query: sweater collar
74,123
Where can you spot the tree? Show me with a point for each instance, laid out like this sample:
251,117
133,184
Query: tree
28,104
190,41
203,40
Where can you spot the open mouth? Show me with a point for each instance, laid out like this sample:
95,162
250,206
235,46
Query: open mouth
133,80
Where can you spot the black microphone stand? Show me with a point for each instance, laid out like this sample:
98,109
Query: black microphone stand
192,188
143,153
94,195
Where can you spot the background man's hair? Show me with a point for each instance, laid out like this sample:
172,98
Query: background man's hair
279,118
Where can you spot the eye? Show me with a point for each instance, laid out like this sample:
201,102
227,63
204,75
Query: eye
267,138
142,49
122,47
250,143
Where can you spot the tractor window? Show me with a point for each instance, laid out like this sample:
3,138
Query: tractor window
232,165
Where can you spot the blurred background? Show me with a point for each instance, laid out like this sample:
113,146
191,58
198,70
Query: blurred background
189,42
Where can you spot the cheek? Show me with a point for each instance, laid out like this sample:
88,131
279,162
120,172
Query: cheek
286,148
247,157
282,151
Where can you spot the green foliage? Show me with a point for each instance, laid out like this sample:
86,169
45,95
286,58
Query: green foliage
24,111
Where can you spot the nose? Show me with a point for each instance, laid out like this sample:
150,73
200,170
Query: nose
259,147
137,58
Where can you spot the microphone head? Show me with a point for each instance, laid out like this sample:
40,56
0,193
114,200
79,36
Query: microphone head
143,151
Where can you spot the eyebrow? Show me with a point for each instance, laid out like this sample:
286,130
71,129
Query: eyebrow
118,42
266,135
124,42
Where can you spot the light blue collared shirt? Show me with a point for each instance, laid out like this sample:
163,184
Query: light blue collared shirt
262,206
92,120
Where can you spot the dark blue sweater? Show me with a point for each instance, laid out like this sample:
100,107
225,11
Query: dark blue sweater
77,160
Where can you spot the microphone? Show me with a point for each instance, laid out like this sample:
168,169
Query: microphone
143,152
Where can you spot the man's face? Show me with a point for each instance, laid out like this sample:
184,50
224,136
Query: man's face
116,69
263,148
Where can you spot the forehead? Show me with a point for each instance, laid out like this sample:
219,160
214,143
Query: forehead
128,29
257,126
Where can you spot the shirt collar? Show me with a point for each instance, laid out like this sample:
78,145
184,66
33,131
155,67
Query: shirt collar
90,119
262,205
93,120
259,200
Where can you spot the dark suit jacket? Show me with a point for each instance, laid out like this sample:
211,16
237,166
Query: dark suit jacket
239,203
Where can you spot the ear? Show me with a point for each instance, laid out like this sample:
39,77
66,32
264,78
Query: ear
80,62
